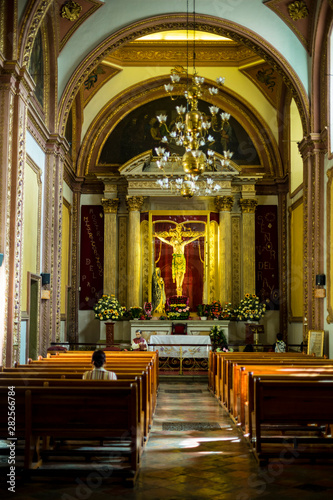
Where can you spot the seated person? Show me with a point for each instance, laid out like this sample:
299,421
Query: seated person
139,343
98,360
279,345
248,348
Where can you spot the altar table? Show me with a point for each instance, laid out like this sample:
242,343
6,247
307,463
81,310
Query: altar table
200,349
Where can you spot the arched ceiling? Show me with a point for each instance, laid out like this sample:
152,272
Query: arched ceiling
115,48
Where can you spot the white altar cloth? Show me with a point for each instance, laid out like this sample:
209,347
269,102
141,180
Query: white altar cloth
199,350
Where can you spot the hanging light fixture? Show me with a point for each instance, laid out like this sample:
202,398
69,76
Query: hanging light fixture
192,131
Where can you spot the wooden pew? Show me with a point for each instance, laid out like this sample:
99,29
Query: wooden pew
297,404
218,365
69,382
122,373
77,413
112,364
243,385
226,389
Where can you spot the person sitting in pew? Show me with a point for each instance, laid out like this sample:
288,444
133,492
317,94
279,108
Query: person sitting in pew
279,345
98,360
248,348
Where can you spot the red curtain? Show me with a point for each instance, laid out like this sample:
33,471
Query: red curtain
194,276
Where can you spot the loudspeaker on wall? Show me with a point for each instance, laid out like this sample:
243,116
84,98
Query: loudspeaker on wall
45,278
320,279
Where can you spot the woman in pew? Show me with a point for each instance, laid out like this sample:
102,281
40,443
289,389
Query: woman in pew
98,360
279,345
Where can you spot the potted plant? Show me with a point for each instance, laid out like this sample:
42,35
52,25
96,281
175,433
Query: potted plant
203,311
227,312
216,309
134,312
218,338
250,308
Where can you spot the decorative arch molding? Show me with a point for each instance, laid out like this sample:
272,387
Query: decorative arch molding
150,90
320,51
33,18
178,21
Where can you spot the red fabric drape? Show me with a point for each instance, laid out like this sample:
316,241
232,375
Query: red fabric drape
194,276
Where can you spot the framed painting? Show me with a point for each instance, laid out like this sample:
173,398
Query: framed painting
316,342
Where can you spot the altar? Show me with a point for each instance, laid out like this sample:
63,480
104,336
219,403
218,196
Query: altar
195,327
175,345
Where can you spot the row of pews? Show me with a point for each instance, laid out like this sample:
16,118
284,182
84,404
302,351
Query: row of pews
282,402
64,424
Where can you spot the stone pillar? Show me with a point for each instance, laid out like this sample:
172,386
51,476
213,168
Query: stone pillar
224,204
248,206
313,149
15,88
72,328
110,207
134,205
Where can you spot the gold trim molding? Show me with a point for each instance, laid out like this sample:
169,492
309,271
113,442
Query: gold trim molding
248,206
71,10
110,206
134,203
224,203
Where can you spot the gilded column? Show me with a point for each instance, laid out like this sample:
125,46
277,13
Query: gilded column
75,267
15,88
134,205
248,206
224,204
110,207
313,149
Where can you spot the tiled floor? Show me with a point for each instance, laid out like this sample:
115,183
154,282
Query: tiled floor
183,464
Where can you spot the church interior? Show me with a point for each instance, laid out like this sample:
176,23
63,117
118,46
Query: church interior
164,165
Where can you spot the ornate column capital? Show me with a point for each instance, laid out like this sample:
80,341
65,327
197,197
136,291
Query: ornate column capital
110,205
247,205
224,203
134,203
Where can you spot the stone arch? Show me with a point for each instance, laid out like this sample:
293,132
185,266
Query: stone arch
179,21
150,90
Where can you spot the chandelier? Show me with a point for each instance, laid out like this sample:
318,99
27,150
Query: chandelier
192,130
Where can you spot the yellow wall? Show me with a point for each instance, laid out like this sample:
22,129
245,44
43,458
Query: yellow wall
30,232
296,261
65,255
296,135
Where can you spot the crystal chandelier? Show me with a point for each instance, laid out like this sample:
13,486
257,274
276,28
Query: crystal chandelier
192,131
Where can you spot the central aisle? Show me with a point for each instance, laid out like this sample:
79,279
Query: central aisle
194,453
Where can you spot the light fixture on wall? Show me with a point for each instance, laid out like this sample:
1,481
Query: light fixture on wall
192,131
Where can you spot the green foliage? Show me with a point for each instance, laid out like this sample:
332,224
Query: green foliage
217,336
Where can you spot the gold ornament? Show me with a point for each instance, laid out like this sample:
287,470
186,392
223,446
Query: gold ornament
71,11
298,10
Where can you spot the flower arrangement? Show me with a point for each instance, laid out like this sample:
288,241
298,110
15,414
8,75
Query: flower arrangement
148,309
250,308
203,310
178,311
218,338
108,307
216,309
227,312
177,307
134,312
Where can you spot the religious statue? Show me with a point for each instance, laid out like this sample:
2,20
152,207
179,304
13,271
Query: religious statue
158,292
178,245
